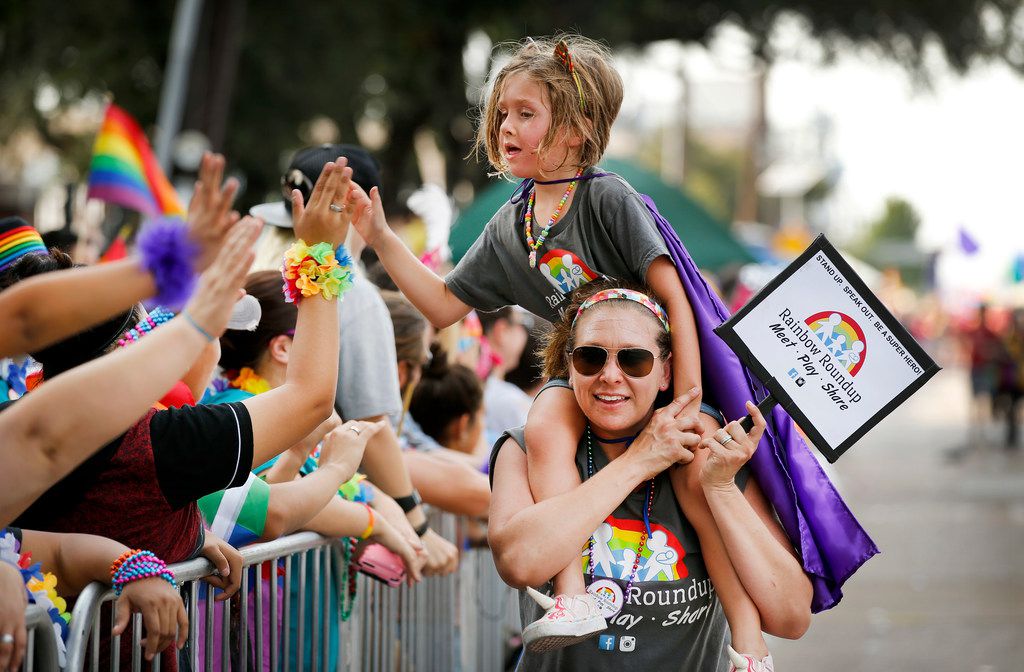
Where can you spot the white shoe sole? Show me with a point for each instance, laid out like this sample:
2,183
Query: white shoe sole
541,636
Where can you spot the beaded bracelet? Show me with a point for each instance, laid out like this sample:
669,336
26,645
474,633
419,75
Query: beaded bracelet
369,526
135,565
168,254
156,317
318,269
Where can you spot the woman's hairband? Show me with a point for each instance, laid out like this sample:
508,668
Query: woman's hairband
629,295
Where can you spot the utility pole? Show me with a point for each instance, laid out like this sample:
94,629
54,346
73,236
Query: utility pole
175,86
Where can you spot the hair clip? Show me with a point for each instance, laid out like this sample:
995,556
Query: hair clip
562,54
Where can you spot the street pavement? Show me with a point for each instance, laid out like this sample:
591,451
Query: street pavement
946,594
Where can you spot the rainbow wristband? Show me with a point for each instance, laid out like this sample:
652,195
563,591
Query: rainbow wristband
135,565
369,526
312,270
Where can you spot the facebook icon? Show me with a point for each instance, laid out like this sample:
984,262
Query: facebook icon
606,642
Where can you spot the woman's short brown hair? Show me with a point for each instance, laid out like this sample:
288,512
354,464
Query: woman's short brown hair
559,342
602,95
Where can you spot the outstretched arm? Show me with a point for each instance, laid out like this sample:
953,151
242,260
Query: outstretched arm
43,310
102,398
424,288
758,548
79,559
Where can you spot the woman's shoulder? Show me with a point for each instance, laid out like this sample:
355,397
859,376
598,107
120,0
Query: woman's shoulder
517,435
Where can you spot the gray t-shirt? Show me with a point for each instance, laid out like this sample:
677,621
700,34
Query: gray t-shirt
607,231
367,364
671,619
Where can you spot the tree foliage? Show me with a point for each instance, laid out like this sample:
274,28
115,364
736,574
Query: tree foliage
297,62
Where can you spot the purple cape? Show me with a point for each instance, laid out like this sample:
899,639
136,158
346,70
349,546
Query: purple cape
831,542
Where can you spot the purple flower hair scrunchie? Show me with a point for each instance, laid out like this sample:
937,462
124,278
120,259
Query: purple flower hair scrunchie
168,254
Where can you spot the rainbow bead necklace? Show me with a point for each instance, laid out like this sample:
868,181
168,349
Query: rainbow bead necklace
647,516
555,216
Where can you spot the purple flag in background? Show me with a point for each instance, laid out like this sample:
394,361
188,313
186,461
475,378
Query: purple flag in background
831,542
967,244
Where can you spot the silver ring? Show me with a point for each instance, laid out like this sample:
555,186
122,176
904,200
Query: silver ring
726,440
7,638
335,207
356,430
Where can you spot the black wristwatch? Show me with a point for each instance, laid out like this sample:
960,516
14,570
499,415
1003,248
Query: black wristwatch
409,502
422,529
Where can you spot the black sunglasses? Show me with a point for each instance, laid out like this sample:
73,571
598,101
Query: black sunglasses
589,360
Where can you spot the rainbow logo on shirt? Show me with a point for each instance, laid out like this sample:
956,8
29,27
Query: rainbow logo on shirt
615,545
565,271
841,336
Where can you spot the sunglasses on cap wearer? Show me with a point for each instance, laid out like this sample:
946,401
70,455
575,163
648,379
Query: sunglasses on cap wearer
589,360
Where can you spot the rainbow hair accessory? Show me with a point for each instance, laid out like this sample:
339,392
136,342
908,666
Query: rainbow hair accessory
562,54
312,270
17,242
628,295
125,171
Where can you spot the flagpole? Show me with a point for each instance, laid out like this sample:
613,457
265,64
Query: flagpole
174,92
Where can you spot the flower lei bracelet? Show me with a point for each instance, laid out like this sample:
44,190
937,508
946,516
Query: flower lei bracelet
135,565
317,269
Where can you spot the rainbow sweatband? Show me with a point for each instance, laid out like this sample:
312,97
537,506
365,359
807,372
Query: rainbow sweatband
629,295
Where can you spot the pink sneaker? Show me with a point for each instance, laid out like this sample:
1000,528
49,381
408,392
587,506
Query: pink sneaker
567,620
746,663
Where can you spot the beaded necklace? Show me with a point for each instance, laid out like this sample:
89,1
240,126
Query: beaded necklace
535,245
644,534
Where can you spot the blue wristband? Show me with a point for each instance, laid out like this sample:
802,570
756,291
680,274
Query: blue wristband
207,335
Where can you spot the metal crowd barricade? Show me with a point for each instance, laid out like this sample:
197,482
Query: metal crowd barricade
461,622
41,645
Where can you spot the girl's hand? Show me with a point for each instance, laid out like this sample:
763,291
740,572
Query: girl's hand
209,212
13,601
386,535
219,286
315,221
725,459
370,221
388,508
162,611
228,562
669,437
343,447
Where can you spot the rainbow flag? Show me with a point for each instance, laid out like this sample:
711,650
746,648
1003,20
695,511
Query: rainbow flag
124,170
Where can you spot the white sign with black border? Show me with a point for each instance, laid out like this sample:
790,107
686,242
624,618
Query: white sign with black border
827,349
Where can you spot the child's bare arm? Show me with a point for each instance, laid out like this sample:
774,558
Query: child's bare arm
422,286
663,278
553,428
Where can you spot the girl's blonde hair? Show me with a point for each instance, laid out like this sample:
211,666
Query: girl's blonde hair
592,121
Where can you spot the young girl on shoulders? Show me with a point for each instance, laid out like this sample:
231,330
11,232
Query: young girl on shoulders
547,120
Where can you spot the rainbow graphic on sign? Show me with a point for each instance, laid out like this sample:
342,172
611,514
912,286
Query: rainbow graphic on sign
841,336
565,270
615,545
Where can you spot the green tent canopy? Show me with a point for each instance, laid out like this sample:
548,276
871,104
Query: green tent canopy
709,242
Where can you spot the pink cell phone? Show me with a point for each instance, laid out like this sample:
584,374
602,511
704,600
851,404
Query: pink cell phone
380,563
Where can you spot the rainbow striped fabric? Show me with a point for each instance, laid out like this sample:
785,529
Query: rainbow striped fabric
18,240
124,170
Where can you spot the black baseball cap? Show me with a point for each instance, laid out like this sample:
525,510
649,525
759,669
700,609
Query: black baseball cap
305,169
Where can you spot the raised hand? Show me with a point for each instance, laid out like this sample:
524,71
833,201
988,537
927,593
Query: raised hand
209,212
327,215
219,287
370,221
